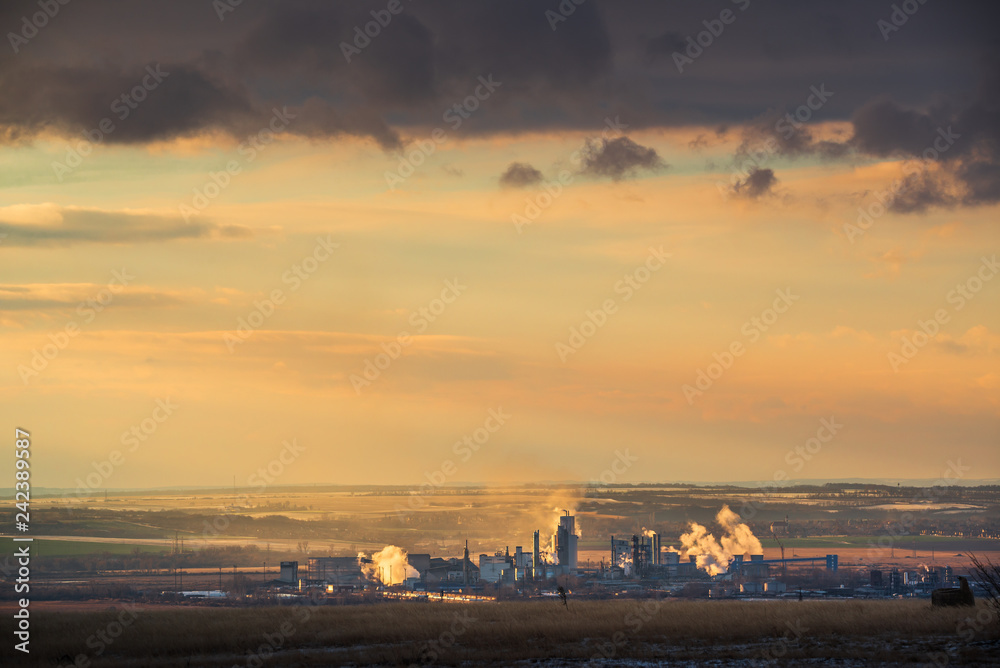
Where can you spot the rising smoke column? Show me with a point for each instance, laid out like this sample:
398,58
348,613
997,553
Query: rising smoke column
739,539
714,556
389,566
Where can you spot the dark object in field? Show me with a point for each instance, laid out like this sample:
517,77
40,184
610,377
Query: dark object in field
954,596
562,597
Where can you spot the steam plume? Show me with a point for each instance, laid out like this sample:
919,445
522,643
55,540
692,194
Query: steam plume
389,566
714,556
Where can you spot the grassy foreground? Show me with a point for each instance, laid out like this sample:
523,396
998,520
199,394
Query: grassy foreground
734,632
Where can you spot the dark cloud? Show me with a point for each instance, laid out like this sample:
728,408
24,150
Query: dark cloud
885,128
148,103
774,133
956,145
607,58
758,183
952,147
664,45
921,191
520,175
982,180
93,226
618,158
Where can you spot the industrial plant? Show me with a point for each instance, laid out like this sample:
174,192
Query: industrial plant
700,565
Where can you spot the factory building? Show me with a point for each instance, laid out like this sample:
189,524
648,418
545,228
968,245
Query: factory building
523,565
420,561
565,541
493,567
338,572
637,557
507,567
289,572
450,572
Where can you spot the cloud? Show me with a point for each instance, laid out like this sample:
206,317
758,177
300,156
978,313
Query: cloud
606,58
520,175
922,190
758,183
619,158
664,45
51,225
177,100
883,128
64,296
953,149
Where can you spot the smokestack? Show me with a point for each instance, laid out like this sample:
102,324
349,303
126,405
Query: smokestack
536,557
465,565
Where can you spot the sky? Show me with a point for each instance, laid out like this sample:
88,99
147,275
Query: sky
426,243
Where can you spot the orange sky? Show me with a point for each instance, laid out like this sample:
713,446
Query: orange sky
361,270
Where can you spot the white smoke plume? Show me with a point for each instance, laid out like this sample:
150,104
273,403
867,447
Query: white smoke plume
739,539
389,566
714,556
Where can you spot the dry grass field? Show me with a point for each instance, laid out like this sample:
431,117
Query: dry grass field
620,632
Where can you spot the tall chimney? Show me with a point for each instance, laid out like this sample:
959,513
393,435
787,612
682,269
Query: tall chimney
465,565
536,558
